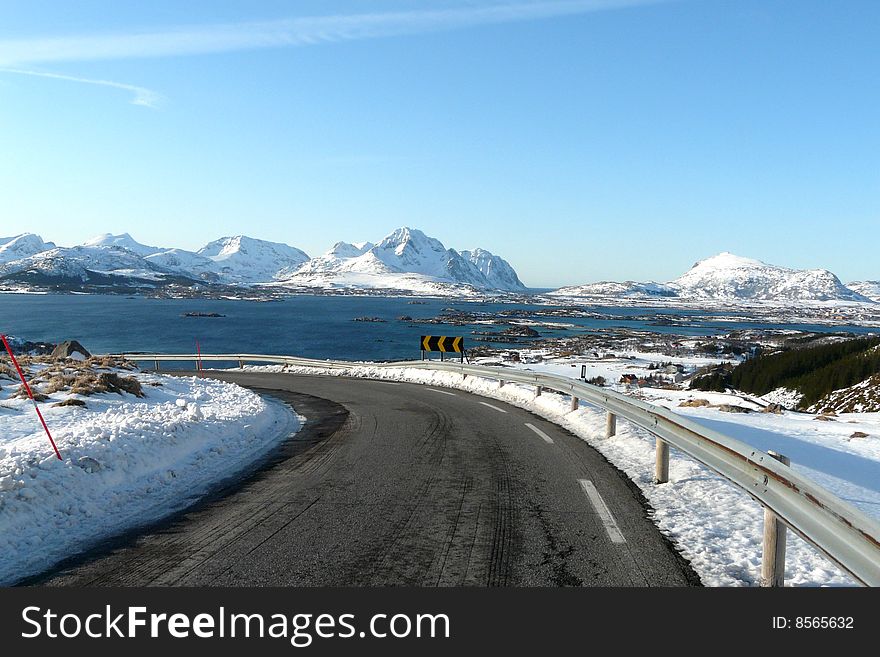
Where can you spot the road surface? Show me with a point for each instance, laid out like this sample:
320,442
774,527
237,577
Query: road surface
402,484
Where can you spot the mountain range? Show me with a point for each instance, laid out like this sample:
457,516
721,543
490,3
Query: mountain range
405,260
730,278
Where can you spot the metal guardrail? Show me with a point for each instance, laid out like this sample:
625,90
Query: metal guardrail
845,535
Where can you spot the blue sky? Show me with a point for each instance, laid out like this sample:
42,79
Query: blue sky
581,140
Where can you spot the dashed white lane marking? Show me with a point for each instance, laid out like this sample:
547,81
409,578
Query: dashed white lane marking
598,503
547,439
442,392
494,408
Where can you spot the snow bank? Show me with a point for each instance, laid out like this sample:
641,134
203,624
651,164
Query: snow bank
712,523
127,462
785,397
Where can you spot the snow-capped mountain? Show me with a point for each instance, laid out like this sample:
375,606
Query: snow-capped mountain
242,259
22,246
406,259
496,270
870,289
124,241
80,263
185,263
614,289
334,260
728,277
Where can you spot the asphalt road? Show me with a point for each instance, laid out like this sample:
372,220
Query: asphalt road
401,484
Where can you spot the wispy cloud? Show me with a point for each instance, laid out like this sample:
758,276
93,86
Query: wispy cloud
293,32
141,95
19,56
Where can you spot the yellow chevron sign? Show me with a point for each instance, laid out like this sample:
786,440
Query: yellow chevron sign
443,343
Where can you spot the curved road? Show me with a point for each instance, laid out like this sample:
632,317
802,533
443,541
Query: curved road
402,484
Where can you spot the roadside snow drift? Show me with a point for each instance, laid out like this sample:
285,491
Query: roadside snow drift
127,461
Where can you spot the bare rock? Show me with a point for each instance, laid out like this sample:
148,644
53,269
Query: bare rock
693,403
733,408
71,349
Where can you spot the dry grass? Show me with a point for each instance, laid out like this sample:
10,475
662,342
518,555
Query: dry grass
58,383
91,383
70,402
38,396
107,363
78,377
7,371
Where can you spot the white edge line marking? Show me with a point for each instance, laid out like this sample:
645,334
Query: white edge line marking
598,503
442,392
547,439
494,408
387,383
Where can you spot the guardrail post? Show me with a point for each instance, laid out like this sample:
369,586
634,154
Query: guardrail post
157,365
500,383
610,424
773,559
575,402
661,462
538,390
240,364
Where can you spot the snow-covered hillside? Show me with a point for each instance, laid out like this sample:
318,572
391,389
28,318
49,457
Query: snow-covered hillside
185,263
870,289
80,263
22,246
613,289
730,278
406,259
242,259
495,269
124,241
726,276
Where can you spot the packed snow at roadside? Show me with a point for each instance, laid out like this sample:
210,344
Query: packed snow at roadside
716,527
127,461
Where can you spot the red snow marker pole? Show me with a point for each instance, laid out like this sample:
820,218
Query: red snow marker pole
31,395
199,354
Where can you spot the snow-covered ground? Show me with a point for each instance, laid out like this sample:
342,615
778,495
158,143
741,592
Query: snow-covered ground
610,366
825,451
128,461
715,525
